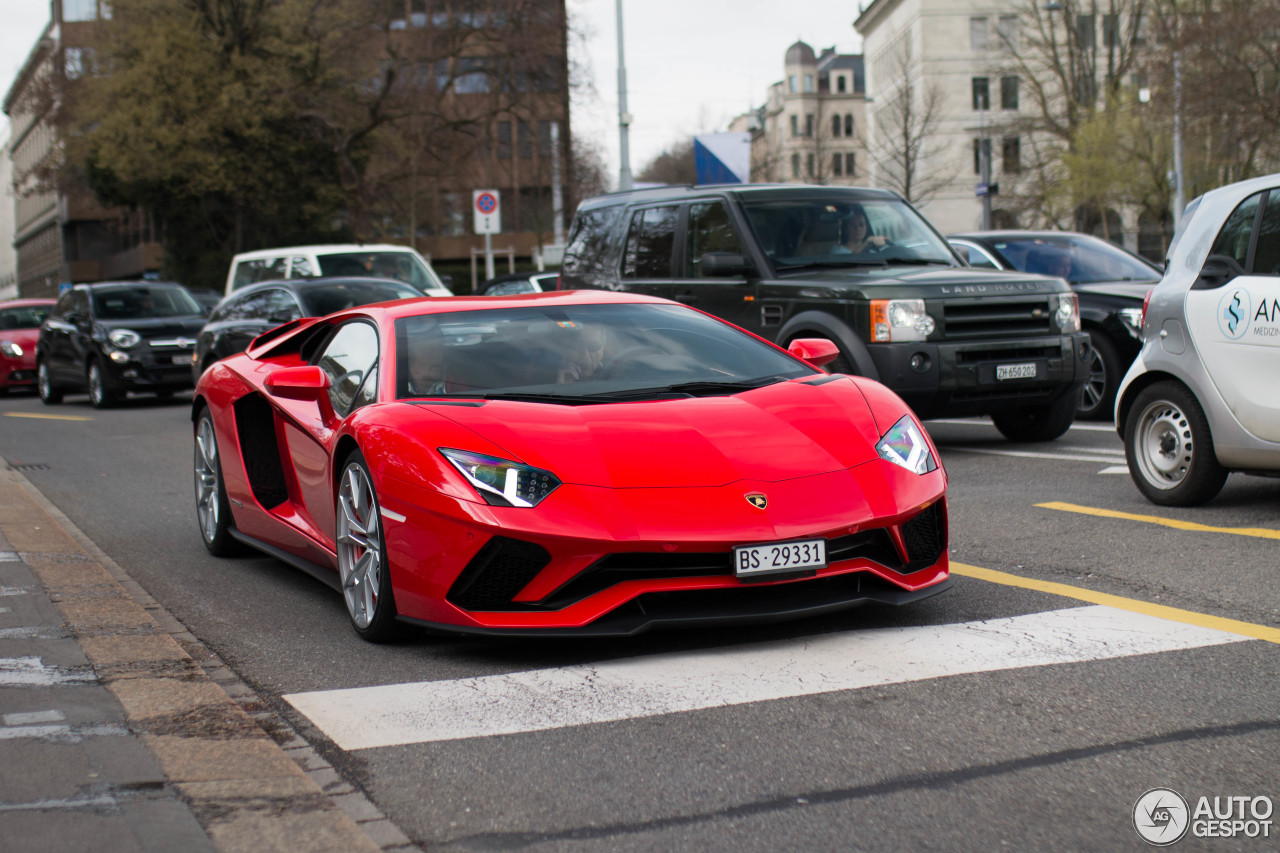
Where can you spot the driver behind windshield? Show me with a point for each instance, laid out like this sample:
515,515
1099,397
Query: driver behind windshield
856,234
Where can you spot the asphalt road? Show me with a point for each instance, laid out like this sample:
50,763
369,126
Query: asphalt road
1024,757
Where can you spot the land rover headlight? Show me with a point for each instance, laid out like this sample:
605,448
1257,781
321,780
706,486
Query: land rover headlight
124,338
900,320
1068,313
10,349
905,445
502,482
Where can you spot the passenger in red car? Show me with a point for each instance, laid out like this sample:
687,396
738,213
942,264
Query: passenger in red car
426,366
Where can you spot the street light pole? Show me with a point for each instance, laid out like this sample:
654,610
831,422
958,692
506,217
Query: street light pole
624,117
984,161
1179,184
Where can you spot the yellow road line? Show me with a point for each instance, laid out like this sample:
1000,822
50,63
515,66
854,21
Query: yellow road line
46,417
1257,532
1160,611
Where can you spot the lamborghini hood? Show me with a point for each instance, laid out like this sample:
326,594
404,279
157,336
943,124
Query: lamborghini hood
779,432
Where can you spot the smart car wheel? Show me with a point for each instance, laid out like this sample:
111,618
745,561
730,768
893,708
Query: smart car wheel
49,393
1037,423
1098,397
101,394
1170,449
362,562
213,511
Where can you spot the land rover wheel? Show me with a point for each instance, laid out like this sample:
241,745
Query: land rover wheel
1038,423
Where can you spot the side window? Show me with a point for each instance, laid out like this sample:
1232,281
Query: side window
588,248
709,231
281,306
349,358
252,272
1233,239
300,268
232,309
255,307
1266,254
64,305
80,304
649,243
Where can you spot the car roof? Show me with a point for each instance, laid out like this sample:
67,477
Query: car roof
25,301
1021,234
323,249
94,285
314,281
786,191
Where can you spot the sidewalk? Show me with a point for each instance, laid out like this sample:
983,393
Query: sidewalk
119,732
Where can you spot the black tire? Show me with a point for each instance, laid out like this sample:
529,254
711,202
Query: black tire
213,509
1169,447
370,599
102,394
1098,396
1038,423
49,393
4,392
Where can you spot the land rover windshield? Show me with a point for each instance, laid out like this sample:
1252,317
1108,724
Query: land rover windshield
816,232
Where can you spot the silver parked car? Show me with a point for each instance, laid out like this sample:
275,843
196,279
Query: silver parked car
1202,398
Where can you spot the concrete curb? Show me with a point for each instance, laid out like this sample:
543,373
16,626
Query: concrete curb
250,781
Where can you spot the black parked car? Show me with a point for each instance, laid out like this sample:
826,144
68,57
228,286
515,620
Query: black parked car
517,282
861,268
252,310
115,337
1111,283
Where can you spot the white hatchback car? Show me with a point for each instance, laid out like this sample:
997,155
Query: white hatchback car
1202,398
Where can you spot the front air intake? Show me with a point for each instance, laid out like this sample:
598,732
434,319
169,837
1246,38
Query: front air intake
925,537
496,575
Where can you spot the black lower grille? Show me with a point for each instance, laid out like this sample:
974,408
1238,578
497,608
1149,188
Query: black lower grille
497,573
975,356
925,537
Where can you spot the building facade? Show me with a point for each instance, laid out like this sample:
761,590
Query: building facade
810,128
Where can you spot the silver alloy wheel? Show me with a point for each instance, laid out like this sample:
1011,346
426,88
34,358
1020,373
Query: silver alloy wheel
359,545
1163,447
96,391
1096,385
207,497
44,381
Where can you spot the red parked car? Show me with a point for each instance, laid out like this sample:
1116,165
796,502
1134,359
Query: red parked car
20,321
565,463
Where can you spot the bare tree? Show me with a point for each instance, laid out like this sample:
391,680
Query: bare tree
906,146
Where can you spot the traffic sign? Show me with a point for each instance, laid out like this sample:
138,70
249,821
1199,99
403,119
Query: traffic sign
987,189
487,205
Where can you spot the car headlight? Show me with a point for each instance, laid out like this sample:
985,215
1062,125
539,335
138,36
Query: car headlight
10,349
900,320
1068,313
904,445
502,482
1131,318
124,338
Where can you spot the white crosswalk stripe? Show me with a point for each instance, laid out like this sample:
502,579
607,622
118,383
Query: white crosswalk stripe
389,715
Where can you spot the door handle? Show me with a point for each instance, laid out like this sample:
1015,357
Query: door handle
686,298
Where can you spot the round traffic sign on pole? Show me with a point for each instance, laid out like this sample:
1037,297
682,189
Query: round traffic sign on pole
486,202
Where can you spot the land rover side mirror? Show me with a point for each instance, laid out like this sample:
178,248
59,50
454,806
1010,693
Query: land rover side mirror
815,351
963,252
723,264
1217,271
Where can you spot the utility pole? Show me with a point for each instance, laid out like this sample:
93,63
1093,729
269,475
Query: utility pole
624,117
984,161
1179,184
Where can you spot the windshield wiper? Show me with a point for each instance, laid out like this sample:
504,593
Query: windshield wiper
697,389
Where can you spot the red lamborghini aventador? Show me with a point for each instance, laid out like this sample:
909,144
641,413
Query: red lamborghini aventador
565,463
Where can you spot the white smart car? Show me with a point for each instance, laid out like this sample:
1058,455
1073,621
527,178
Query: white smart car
1202,399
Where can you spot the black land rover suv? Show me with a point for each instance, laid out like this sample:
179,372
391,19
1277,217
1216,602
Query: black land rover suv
857,266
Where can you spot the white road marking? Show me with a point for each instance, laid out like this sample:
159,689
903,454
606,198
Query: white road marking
63,734
33,717
987,422
390,715
14,590
9,557
1115,469
33,672
1081,455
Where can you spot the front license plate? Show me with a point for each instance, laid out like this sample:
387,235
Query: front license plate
1015,371
752,560
185,358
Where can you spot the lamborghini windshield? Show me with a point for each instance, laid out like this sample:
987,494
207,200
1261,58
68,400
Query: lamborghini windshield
582,353
843,230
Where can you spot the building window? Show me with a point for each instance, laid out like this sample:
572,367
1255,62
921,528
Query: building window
1111,30
808,124
791,83
842,83
808,165
544,139
74,62
795,165
848,124
981,93
1011,155
524,138
80,10
1085,28
1009,93
978,34
837,165
795,125
835,126
504,140
473,76
808,82
1008,30
849,170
